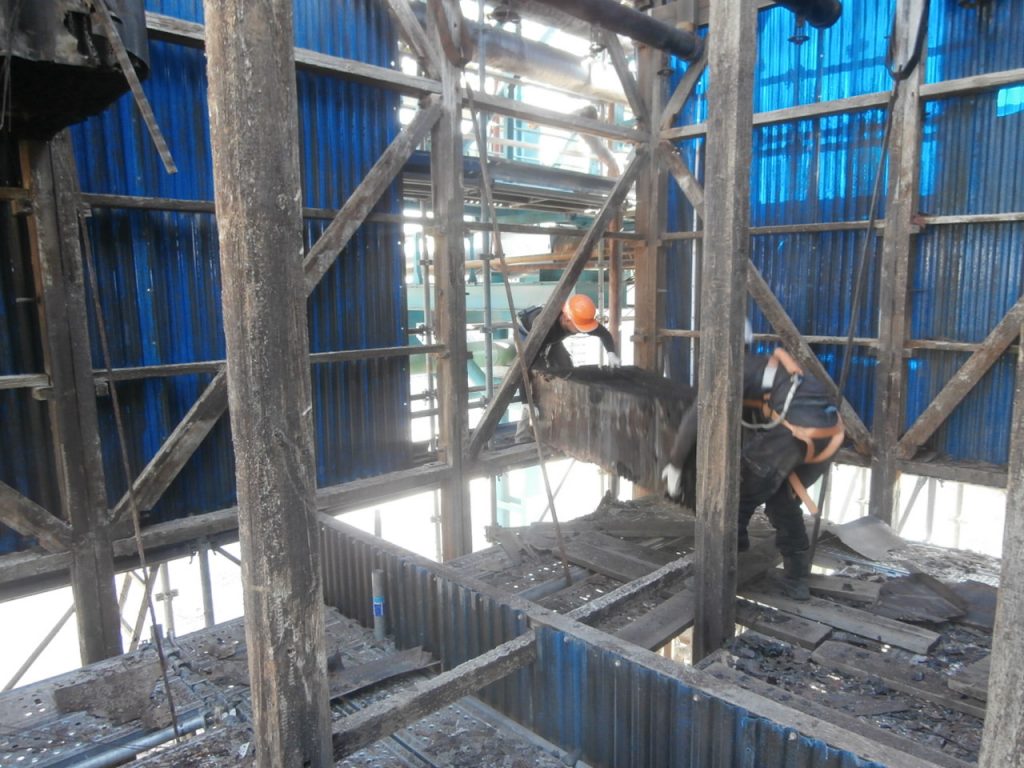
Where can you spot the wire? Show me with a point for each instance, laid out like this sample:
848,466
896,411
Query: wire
898,75
125,463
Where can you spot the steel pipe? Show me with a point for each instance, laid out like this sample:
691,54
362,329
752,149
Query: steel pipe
623,20
818,13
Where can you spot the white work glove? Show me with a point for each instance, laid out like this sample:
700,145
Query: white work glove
613,360
673,477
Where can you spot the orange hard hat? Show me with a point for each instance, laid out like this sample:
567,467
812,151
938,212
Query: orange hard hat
582,312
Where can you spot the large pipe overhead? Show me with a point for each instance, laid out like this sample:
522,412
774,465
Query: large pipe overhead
623,20
818,13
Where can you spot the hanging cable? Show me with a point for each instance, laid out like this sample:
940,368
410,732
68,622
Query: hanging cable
898,76
101,327
488,202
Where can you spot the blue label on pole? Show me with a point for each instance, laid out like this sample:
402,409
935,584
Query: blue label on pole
378,606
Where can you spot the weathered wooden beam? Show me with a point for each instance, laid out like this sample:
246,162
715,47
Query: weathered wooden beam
651,216
894,268
963,381
415,36
684,177
681,93
29,519
546,319
254,138
732,49
629,86
54,236
876,100
388,715
359,204
1003,739
798,346
190,432
182,32
450,292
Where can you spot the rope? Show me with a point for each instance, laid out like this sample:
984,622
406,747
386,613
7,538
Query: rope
898,76
126,466
499,251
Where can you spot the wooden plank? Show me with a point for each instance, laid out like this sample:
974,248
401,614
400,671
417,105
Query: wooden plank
546,319
352,679
963,381
259,220
799,348
182,32
608,556
849,619
901,206
629,86
782,626
972,680
916,679
384,717
54,238
899,751
29,519
1004,726
732,50
450,294
857,590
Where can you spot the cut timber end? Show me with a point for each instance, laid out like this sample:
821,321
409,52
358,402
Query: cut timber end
622,419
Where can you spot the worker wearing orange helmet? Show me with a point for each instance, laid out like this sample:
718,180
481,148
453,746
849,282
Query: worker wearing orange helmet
579,315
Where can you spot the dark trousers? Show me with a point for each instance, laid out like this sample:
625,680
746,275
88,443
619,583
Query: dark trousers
554,357
767,459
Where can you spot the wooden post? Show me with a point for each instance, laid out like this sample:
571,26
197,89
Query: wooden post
732,50
254,136
1002,744
450,318
650,218
56,251
897,245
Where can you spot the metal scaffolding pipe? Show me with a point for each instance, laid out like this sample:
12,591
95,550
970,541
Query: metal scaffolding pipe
616,17
818,13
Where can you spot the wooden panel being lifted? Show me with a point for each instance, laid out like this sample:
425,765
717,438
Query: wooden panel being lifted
622,419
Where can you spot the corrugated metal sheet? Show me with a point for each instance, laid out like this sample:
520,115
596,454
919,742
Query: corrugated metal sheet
583,694
964,277
159,272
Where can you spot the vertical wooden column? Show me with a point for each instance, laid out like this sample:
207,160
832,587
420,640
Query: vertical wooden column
450,317
1002,744
649,272
56,250
897,249
254,136
732,51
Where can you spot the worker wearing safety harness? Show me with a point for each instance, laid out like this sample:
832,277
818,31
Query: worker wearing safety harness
791,431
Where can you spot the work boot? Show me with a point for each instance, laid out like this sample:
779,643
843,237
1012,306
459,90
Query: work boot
796,567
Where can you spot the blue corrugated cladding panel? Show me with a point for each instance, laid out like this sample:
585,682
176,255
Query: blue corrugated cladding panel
822,169
159,272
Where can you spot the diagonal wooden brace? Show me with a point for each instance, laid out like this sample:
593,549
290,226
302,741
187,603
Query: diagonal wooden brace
29,519
168,462
963,381
547,317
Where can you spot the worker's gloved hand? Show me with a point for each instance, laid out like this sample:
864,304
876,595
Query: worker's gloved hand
673,477
613,360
